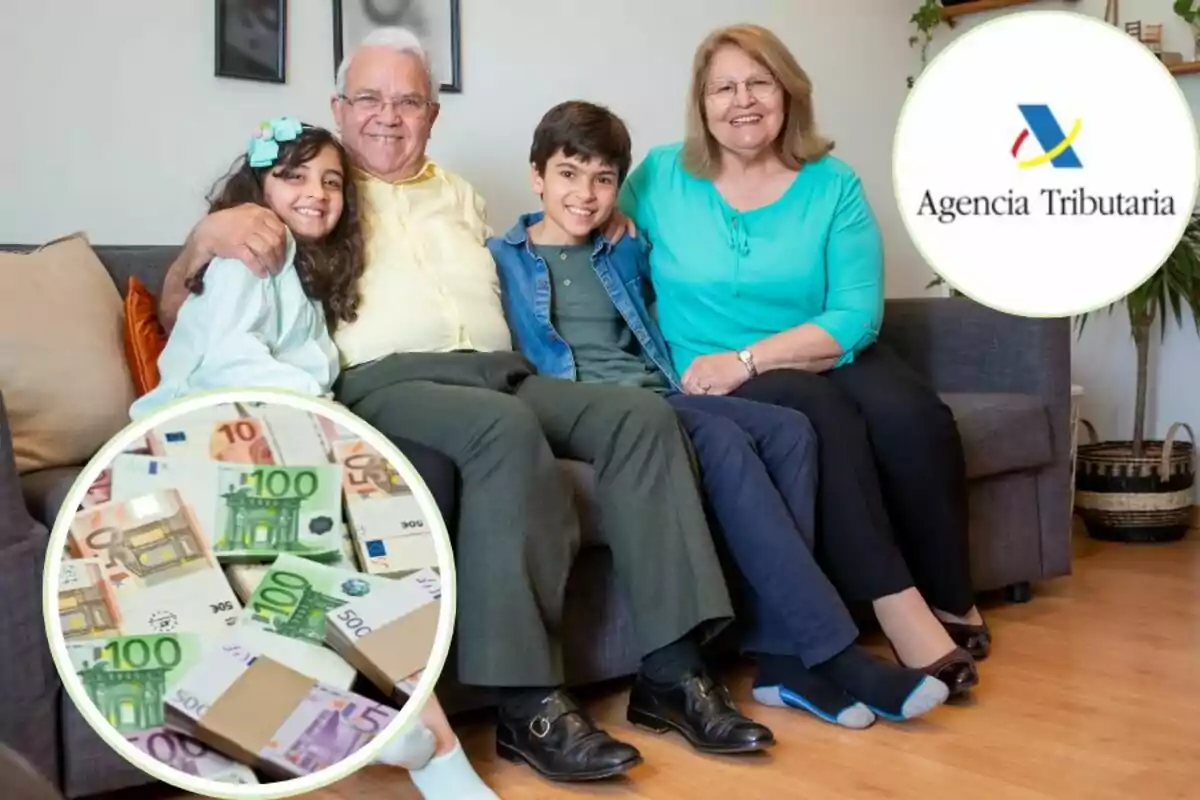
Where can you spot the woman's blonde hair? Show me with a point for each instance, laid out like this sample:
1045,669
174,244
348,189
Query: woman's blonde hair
798,142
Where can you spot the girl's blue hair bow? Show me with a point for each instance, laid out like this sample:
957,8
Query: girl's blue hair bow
264,145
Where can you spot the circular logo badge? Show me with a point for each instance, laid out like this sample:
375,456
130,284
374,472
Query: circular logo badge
1045,164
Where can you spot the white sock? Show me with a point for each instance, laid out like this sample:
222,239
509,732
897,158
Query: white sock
450,776
410,750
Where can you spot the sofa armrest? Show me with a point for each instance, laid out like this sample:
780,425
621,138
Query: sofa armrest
16,524
959,345
962,346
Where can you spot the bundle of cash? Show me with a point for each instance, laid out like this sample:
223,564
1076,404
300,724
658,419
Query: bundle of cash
389,528
127,679
291,604
157,560
281,511
260,712
249,512
388,633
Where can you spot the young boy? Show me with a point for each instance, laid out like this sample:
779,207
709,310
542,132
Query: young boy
578,310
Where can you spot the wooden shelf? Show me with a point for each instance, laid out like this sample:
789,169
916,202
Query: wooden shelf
1186,68
979,6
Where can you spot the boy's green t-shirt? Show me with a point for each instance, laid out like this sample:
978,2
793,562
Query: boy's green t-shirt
605,349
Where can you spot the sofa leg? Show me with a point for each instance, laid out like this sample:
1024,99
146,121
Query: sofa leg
1018,592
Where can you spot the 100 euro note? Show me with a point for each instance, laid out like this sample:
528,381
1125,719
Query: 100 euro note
350,624
325,726
127,679
157,560
264,511
245,577
390,531
248,512
286,615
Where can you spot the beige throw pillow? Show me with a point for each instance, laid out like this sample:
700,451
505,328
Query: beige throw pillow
66,385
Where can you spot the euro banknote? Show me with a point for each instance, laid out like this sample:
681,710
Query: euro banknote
390,531
221,432
388,633
247,511
158,561
258,711
191,757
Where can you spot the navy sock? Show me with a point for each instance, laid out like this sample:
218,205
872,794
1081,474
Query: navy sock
672,663
890,690
784,681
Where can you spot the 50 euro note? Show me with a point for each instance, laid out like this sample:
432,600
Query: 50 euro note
87,602
262,713
388,633
158,562
389,528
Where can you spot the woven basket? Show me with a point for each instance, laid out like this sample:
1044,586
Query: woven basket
1126,499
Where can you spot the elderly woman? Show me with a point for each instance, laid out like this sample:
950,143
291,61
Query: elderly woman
768,268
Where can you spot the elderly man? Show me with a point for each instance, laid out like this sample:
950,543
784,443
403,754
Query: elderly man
430,361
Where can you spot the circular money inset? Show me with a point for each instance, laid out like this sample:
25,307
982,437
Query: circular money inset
231,600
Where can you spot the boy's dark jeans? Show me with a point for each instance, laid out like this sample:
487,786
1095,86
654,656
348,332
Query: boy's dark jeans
758,464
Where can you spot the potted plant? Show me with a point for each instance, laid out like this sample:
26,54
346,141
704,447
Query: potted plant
1141,490
926,18
1189,12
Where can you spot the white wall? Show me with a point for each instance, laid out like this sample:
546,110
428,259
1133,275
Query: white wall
117,124
1104,362
113,121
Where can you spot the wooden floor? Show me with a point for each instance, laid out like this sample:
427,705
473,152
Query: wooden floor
1092,692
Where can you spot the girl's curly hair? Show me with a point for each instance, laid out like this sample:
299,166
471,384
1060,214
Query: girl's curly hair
330,268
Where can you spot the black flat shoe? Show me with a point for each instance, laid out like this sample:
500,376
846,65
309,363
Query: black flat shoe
562,743
956,669
975,639
700,710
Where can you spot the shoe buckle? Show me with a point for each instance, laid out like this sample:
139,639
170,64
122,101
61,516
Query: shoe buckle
539,727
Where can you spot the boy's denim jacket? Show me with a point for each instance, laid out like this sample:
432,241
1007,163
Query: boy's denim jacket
525,294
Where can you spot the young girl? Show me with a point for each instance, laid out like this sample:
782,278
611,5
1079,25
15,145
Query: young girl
239,331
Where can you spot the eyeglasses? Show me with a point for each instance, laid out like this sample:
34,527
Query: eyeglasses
409,105
759,87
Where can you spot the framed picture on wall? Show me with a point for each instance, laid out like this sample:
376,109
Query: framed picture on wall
436,22
251,40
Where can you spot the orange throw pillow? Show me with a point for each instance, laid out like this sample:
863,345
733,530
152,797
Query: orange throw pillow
144,337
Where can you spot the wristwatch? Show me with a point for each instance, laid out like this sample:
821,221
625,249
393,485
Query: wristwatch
747,359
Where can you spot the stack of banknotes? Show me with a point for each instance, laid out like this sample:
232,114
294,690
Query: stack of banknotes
249,557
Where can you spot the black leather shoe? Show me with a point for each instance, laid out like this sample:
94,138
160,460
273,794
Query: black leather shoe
562,743
975,639
700,710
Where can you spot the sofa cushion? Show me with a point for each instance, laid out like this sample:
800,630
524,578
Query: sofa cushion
67,388
1002,432
45,491
144,336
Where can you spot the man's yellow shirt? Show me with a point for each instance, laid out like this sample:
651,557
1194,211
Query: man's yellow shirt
430,285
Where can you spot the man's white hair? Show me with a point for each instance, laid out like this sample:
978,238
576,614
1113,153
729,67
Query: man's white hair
402,40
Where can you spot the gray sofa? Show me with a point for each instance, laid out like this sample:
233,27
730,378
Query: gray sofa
1007,379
